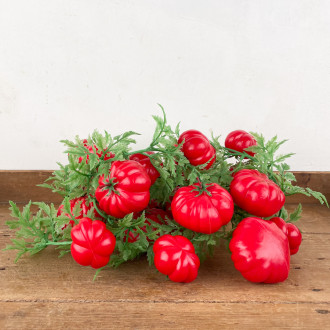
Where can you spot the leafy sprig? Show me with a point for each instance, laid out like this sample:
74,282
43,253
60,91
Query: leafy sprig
34,233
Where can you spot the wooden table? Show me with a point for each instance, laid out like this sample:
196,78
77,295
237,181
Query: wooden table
46,292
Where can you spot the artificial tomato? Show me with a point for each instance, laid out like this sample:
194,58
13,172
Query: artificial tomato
197,148
93,148
203,211
152,215
291,231
146,163
154,204
260,251
255,193
92,243
294,237
175,256
239,140
124,190
84,208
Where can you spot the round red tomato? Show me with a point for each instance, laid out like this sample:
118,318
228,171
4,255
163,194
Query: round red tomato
255,193
240,140
146,163
291,231
91,149
152,215
92,243
294,237
197,148
175,256
84,208
260,251
199,211
125,190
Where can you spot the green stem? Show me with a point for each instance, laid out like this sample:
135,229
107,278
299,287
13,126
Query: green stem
103,214
280,213
59,243
232,152
84,174
142,151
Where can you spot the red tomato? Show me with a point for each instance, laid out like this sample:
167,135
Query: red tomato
125,190
154,204
91,150
291,231
175,256
260,251
146,163
92,243
200,212
197,148
255,193
240,140
155,215
294,237
82,201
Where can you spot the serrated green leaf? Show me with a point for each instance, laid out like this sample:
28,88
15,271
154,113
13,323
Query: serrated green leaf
296,214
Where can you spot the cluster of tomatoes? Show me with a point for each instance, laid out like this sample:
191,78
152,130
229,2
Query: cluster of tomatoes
260,248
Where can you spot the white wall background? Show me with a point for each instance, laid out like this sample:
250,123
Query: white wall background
70,66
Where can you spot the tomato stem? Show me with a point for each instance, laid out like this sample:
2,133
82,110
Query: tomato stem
59,243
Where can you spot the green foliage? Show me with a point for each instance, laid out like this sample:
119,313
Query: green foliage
34,233
296,214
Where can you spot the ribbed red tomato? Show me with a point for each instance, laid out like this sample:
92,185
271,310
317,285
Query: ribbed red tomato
84,208
125,190
260,251
291,231
92,243
152,215
200,212
146,163
175,256
91,149
255,193
197,148
239,140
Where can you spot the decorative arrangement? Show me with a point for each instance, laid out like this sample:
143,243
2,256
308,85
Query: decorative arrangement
173,201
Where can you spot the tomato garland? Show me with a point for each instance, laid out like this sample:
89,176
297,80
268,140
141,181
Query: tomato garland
173,201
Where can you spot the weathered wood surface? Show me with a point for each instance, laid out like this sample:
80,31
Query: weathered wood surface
20,186
44,291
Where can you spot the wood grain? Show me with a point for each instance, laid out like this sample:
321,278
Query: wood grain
153,315
20,186
44,291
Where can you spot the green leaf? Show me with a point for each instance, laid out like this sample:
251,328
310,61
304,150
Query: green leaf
319,196
296,215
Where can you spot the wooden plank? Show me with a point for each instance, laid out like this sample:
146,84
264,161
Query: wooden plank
20,186
179,315
319,181
44,276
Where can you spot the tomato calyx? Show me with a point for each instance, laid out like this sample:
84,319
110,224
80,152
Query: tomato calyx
110,185
201,188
